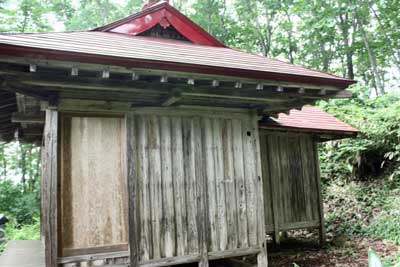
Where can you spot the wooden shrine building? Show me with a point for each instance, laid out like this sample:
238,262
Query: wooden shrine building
159,145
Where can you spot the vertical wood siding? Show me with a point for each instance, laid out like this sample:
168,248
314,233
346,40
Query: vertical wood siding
290,181
93,183
175,154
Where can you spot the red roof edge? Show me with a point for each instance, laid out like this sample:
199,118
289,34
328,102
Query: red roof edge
50,54
310,119
159,13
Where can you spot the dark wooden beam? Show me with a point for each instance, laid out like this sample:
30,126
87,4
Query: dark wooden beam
65,81
133,198
172,100
15,87
19,117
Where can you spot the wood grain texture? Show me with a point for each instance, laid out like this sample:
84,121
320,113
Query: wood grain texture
50,188
290,171
193,180
94,202
133,198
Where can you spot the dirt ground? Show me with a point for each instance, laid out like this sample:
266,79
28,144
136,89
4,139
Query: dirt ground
339,252
349,253
305,252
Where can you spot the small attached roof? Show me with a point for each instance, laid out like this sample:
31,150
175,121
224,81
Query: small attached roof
119,44
309,119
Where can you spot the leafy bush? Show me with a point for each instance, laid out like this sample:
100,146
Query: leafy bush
18,203
378,120
364,208
386,224
25,232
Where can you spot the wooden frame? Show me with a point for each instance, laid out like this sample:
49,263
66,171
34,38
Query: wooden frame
311,176
50,185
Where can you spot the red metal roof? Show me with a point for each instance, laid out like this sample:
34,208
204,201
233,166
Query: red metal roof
165,15
309,118
155,53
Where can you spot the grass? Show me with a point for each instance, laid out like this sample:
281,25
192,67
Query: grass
367,209
24,232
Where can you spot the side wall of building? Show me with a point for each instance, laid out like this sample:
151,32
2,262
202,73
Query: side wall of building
196,187
291,181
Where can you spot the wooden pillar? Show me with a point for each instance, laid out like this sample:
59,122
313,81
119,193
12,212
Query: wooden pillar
262,258
202,204
50,188
133,213
273,187
322,237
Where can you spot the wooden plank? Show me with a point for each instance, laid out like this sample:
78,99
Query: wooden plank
270,203
68,252
169,227
93,153
93,257
133,206
165,262
156,182
144,185
250,181
179,186
191,191
262,257
209,150
220,185
201,187
240,183
319,193
307,175
230,189
172,100
275,185
19,117
153,72
50,176
234,253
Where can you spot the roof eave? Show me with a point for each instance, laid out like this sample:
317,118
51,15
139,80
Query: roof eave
49,54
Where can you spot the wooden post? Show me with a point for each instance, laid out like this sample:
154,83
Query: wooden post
132,190
202,203
274,189
320,200
50,188
262,258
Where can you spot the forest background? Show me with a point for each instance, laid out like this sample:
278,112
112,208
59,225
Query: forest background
357,39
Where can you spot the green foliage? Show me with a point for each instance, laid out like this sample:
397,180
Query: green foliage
378,119
17,203
25,232
386,224
364,208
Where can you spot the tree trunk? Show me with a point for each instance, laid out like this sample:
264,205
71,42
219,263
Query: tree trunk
290,36
372,59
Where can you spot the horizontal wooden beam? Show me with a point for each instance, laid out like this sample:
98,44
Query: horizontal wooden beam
19,117
153,72
172,100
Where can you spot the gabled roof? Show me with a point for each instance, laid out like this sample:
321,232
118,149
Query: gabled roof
164,14
309,119
162,54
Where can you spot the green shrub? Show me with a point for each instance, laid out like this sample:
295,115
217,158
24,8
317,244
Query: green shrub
24,232
18,203
378,119
386,224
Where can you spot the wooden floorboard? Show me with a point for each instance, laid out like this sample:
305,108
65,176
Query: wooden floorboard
23,254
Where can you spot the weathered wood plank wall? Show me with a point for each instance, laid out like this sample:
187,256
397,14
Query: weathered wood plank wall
50,187
175,153
94,202
291,181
